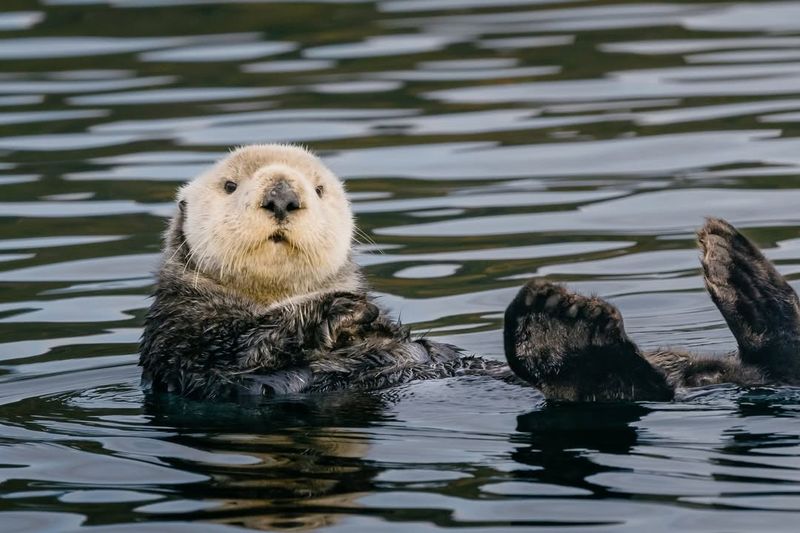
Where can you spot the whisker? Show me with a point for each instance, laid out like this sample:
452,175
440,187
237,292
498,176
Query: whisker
178,249
368,240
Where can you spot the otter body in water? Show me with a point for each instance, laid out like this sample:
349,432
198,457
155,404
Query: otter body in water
258,294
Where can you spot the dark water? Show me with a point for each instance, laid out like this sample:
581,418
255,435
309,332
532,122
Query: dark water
484,141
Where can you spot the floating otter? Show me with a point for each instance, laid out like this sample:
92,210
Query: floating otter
258,295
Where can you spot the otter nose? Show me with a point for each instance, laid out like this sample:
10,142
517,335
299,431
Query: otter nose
281,200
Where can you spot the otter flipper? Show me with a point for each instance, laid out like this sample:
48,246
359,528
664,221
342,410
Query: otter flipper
760,307
575,348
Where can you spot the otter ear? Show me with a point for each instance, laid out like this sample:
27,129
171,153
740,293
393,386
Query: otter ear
174,234
180,196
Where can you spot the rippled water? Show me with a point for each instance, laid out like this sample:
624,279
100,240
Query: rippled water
483,141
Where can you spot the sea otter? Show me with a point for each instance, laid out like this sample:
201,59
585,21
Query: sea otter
258,295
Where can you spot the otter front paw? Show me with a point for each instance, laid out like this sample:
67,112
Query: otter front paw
346,314
574,347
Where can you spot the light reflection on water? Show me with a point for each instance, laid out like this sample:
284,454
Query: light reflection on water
483,142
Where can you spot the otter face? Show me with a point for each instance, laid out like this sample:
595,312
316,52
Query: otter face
269,219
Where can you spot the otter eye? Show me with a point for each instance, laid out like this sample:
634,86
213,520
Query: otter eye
319,190
230,186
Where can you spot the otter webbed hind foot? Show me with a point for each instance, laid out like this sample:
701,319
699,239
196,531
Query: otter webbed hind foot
574,348
760,307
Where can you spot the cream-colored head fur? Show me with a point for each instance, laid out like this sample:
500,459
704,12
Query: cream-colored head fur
234,240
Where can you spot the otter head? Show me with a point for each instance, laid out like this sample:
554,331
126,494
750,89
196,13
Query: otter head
271,221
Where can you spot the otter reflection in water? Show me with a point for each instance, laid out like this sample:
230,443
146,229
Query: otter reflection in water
258,295
319,460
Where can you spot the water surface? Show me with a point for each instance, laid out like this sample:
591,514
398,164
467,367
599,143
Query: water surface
483,142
